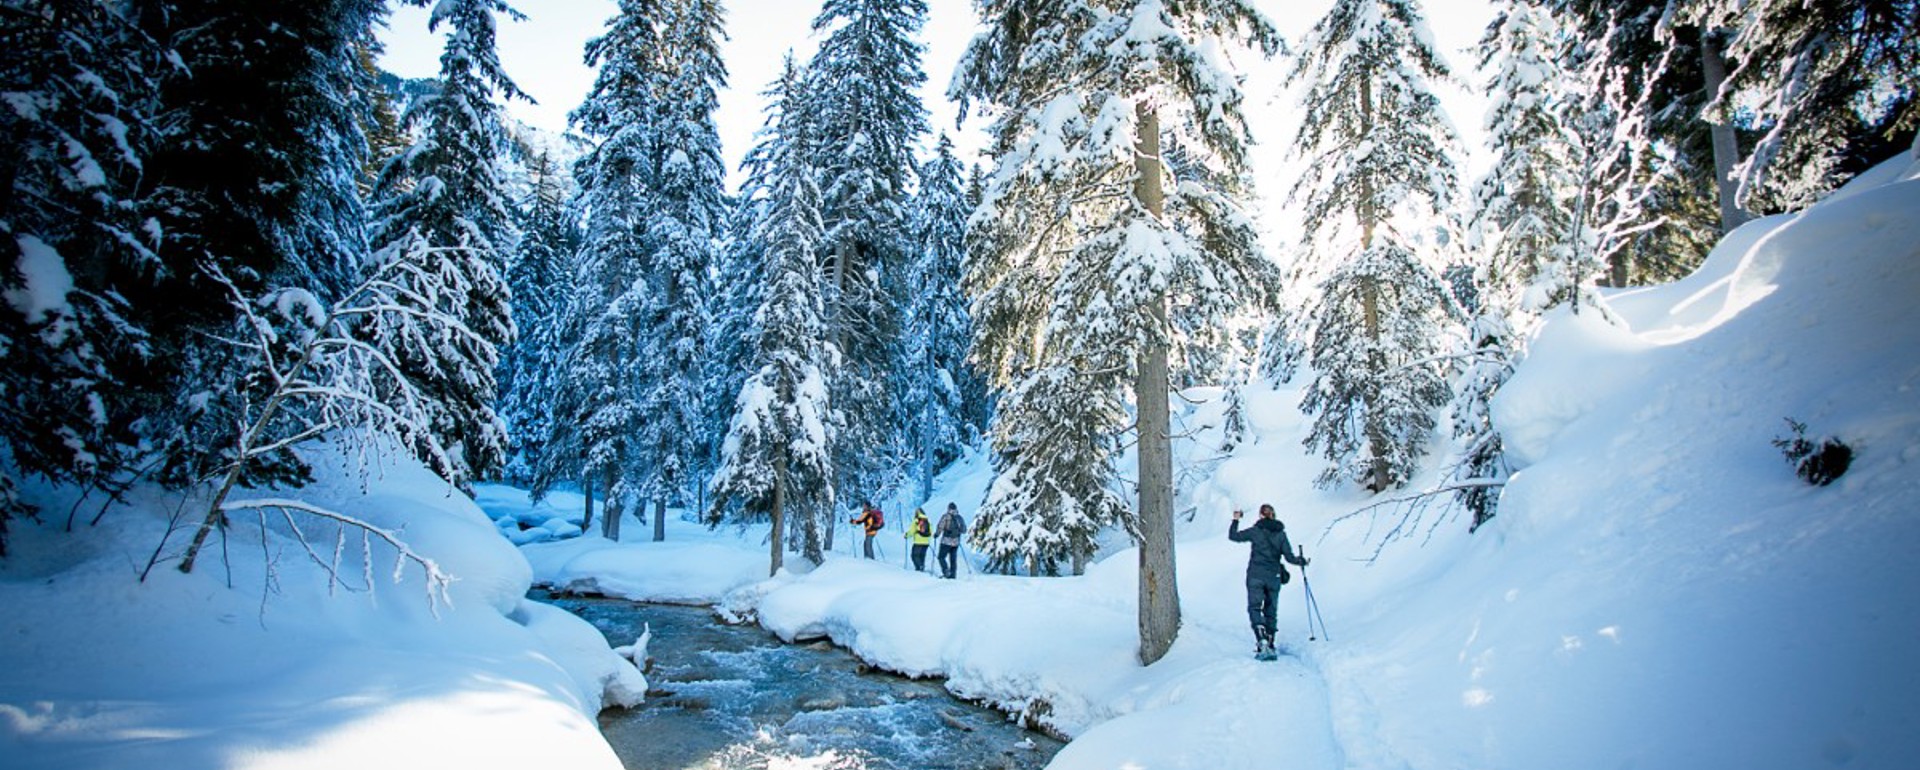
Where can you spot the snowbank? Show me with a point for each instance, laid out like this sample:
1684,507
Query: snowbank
250,663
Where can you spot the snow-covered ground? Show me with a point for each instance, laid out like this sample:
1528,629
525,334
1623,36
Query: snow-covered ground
1659,590
249,662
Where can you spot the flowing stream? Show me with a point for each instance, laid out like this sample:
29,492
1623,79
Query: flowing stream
737,697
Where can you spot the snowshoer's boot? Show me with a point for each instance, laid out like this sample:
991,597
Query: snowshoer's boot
1262,644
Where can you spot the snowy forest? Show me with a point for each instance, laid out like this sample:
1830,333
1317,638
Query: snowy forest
238,246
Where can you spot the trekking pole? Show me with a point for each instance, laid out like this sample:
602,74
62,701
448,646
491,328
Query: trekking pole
1313,605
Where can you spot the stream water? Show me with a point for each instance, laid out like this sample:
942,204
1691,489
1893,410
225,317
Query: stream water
737,697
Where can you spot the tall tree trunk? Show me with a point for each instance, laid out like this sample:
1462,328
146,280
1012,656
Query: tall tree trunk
611,520
1159,596
586,488
660,519
779,514
1726,146
1370,312
1377,371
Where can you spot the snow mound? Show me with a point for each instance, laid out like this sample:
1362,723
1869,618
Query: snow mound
256,660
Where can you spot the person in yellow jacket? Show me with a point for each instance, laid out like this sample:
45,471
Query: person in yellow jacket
919,533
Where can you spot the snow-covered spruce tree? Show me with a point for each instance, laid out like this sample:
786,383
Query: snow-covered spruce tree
445,189
1634,182
944,399
1086,246
1820,79
730,332
1043,513
1522,233
865,78
597,411
77,91
777,461
1380,175
687,210
253,171
540,276
1641,76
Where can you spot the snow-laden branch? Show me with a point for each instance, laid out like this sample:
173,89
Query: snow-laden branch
1412,510
316,374
437,580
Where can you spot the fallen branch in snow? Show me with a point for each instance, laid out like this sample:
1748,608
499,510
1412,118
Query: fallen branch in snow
437,579
1412,509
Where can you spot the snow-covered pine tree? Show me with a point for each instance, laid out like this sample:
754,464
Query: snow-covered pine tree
943,398
866,74
1053,489
1634,180
1646,151
1526,207
597,411
445,189
730,332
1087,248
1522,234
687,210
540,276
777,460
1820,78
75,244
1380,176
224,134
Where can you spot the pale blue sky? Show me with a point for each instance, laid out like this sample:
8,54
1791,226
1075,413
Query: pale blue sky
544,56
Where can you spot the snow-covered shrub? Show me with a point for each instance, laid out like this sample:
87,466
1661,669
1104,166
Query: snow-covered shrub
1817,462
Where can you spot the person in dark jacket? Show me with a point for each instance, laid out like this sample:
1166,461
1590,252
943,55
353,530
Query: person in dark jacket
950,529
1265,573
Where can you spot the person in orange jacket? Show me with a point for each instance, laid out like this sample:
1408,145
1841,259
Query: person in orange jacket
873,520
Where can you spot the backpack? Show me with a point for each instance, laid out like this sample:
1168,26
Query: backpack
922,528
879,519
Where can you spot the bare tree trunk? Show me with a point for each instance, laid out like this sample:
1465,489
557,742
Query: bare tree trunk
1376,432
611,520
1370,311
660,519
1726,146
779,515
1159,595
586,488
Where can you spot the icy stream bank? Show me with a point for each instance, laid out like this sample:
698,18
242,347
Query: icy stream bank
737,697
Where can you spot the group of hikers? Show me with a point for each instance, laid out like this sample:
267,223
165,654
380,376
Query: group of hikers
1266,562
920,535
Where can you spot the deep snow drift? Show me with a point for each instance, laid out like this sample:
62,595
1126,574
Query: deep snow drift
1659,590
238,665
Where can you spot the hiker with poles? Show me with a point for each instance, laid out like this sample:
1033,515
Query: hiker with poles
1265,573
950,528
873,520
919,534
